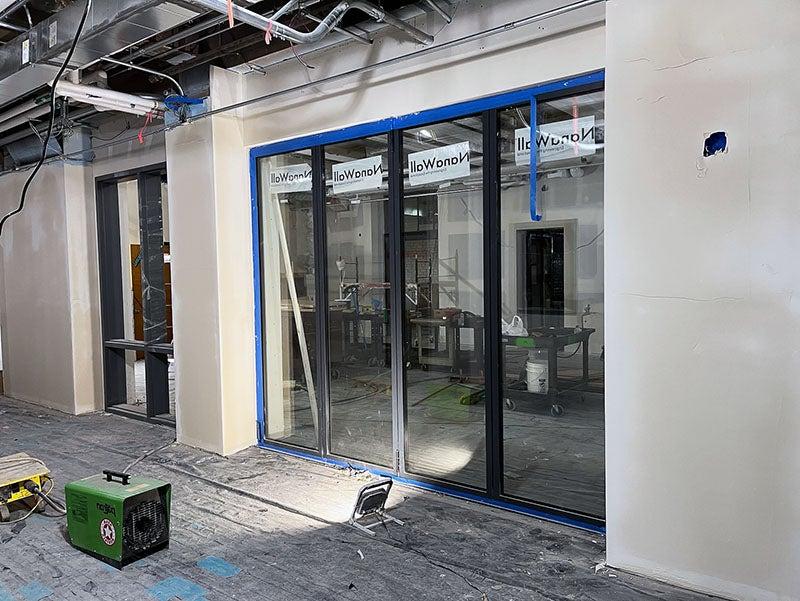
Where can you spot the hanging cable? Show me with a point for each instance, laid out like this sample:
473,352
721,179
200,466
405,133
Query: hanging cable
52,119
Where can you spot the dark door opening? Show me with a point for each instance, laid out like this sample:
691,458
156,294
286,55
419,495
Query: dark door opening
541,263
133,240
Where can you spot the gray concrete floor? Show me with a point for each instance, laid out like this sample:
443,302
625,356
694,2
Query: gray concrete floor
138,401
276,522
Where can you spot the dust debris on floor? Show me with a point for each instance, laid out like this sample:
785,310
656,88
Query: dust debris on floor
270,526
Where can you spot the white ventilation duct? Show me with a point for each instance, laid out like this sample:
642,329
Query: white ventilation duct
108,99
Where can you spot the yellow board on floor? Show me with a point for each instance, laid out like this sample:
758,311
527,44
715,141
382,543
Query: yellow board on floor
15,471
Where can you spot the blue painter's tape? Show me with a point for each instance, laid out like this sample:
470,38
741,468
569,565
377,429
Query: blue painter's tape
259,358
5,594
176,587
218,566
452,492
35,591
453,111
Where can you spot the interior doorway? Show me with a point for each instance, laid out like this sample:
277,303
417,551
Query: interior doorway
136,295
541,261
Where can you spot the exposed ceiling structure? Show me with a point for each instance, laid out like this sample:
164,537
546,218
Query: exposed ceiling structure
154,48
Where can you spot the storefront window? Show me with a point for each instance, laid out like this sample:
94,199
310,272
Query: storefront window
552,305
359,299
383,256
290,333
443,264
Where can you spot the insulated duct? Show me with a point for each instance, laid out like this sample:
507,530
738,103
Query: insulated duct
279,30
111,100
31,60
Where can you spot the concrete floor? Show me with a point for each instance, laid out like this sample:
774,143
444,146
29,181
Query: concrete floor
137,388
267,526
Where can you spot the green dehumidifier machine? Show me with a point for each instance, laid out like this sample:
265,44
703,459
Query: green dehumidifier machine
118,518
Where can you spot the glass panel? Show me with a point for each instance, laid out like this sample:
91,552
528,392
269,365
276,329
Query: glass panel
167,259
443,236
130,251
358,299
552,305
135,382
289,334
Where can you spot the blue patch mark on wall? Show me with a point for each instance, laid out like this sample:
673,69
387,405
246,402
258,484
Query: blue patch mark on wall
715,143
35,591
218,566
178,588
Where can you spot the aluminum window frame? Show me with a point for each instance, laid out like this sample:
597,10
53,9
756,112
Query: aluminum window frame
487,108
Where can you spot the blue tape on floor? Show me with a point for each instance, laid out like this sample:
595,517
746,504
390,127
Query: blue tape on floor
218,566
35,591
176,587
5,594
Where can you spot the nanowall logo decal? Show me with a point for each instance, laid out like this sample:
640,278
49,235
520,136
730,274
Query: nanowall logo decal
363,174
290,178
556,141
439,164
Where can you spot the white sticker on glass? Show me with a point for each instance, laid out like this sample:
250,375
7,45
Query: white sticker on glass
52,34
556,141
353,176
290,178
26,51
439,164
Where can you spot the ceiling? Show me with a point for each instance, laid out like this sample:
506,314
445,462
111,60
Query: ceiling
184,51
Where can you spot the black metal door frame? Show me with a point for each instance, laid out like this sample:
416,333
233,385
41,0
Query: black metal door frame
492,298
154,346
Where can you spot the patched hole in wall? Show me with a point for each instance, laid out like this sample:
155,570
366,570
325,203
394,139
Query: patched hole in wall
716,143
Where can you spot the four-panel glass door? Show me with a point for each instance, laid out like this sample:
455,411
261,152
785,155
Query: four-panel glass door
425,311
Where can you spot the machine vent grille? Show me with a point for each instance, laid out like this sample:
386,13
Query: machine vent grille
145,525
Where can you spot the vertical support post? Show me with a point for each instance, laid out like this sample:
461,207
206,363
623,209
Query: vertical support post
154,299
111,314
491,322
321,296
397,297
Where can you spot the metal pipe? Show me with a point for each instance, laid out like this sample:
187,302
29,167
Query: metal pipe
18,110
177,37
326,25
358,38
24,118
548,14
182,35
42,127
12,8
12,27
438,9
367,68
146,70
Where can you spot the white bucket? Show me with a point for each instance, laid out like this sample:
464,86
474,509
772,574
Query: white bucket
537,376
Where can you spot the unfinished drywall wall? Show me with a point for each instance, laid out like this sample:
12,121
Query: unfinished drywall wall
212,274
701,294
35,307
84,287
49,304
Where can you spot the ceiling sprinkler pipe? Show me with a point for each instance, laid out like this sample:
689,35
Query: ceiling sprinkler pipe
333,18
